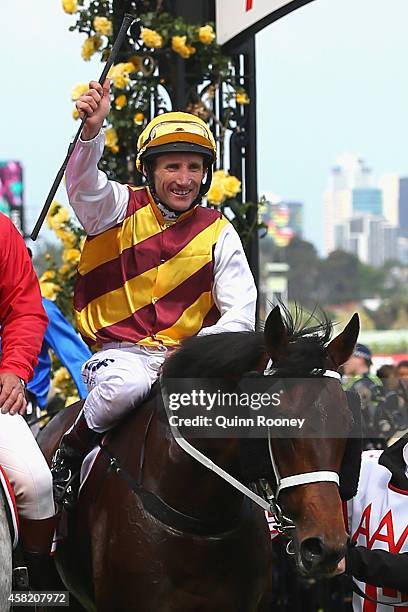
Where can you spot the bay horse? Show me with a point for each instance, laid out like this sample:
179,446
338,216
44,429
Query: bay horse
156,531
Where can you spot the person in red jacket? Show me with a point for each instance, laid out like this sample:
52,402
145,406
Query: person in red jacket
23,322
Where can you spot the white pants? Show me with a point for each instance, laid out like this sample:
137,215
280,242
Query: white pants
26,468
118,377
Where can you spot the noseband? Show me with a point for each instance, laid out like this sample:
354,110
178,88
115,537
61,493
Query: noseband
267,499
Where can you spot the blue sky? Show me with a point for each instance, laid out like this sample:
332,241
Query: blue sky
331,78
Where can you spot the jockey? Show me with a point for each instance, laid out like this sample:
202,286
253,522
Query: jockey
23,322
156,267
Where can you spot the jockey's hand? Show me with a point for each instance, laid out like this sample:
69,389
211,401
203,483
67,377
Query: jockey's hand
12,395
96,103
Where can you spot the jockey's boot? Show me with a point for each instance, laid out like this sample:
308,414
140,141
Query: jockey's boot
67,461
36,540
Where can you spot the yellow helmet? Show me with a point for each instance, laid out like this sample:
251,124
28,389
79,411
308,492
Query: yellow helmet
176,132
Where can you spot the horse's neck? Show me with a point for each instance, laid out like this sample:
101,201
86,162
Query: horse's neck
189,486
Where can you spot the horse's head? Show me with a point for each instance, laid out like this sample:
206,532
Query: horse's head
311,500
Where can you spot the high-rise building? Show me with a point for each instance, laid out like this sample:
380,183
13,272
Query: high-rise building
403,207
367,200
390,187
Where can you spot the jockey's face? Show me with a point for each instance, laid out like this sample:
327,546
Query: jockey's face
177,179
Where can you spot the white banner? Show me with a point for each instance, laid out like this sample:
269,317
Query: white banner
235,16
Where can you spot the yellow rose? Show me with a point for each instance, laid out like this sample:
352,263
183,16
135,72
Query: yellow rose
47,276
49,290
138,119
54,208
215,194
178,42
152,39
102,25
78,90
232,186
72,399
206,35
71,255
120,102
75,114
69,6
60,376
111,140
242,98
67,238
65,269
120,82
58,220
90,45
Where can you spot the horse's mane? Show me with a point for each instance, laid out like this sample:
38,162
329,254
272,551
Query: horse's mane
231,354
308,336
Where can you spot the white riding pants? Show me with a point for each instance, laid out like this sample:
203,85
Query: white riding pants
118,377
26,468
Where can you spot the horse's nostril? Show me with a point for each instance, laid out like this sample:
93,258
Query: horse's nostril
312,552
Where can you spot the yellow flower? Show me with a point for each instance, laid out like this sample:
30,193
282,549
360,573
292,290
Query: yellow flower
67,238
54,208
69,6
75,114
65,269
119,73
120,102
71,399
120,82
47,276
152,39
242,98
78,90
90,45
206,35
215,194
49,290
57,220
71,255
103,25
138,118
232,186
178,44
60,376
111,140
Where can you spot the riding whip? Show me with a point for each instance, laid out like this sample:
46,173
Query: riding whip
126,23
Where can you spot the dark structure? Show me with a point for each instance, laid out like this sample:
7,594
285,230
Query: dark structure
182,91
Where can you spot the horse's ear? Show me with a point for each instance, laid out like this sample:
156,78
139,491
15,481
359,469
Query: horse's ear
275,334
341,347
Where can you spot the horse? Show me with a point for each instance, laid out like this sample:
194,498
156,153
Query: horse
5,559
155,530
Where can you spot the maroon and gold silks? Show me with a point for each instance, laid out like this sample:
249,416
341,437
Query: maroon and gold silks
147,281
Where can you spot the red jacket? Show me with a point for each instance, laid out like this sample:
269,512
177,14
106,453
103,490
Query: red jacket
22,318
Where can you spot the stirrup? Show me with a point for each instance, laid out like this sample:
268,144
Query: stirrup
65,481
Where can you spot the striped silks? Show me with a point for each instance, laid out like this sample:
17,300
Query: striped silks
145,282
